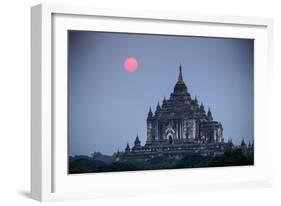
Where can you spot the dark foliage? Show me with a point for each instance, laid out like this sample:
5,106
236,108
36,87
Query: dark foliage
233,157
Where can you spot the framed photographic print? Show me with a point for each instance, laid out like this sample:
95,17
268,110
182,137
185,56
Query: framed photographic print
137,103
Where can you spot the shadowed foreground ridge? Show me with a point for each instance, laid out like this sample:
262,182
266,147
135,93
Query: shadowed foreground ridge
236,156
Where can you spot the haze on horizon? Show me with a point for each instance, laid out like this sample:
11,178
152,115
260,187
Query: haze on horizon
108,105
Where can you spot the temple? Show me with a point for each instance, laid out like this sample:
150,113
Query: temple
179,126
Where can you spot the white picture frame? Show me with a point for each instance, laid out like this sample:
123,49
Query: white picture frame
49,178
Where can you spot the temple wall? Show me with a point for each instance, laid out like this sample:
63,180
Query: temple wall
149,131
191,128
177,130
185,129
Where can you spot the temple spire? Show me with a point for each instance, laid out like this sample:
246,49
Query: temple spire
137,143
149,115
137,138
158,106
180,79
209,115
180,86
195,99
202,106
127,149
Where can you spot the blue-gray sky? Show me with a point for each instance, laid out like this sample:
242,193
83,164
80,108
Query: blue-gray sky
108,106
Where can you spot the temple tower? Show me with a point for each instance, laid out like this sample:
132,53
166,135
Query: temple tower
149,122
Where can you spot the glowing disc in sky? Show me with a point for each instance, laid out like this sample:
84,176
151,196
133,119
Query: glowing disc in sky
131,64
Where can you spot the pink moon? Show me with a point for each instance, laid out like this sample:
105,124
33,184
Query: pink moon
131,64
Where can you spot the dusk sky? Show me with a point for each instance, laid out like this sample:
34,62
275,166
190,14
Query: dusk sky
108,105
